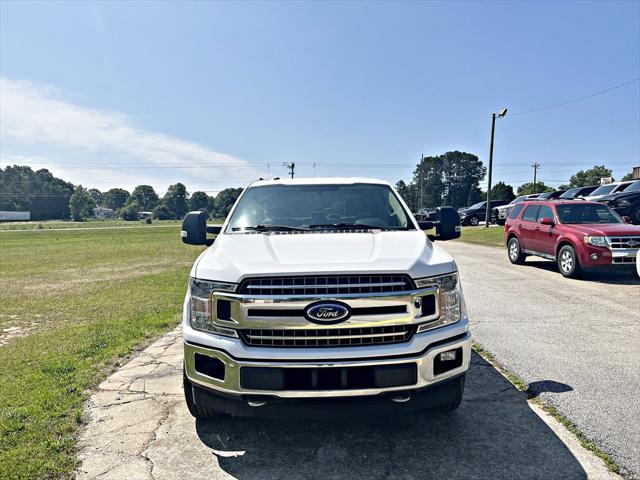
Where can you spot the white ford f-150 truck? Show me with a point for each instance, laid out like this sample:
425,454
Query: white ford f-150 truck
323,295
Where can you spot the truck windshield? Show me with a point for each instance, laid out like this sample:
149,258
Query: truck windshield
586,213
311,207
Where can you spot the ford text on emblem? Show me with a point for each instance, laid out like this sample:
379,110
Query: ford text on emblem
327,312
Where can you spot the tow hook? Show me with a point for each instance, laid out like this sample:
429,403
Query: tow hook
401,397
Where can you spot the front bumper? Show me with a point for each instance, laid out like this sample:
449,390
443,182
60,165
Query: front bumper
596,257
421,351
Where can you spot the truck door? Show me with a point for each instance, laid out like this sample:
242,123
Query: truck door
527,225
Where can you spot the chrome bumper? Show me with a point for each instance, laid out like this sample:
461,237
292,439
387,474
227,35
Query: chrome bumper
231,383
623,256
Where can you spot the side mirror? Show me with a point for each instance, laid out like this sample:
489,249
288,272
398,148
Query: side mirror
195,229
546,221
448,224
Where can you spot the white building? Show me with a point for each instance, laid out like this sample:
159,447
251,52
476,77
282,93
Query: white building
103,212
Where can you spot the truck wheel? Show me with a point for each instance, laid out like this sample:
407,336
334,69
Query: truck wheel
501,222
568,263
452,404
198,411
515,252
473,221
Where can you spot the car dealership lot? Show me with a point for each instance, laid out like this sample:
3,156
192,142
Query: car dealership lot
575,342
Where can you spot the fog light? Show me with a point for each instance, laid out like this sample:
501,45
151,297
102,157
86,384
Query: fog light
594,256
449,360
448,356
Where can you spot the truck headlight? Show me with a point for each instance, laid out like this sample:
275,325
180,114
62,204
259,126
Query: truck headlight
201,306
596,241
451,300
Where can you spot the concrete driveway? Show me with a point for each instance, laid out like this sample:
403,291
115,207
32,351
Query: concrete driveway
575,342
139,428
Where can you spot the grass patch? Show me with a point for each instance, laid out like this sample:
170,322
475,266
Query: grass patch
522,386
85,300
492,236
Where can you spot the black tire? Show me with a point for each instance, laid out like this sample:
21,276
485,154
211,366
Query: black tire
514,251
451,405
501,222
568,262
473,221
196,410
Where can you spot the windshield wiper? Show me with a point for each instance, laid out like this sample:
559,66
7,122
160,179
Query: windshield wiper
269,227
352,226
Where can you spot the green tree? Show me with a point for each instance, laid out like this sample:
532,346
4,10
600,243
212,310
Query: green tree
145,196
592,176
407,192
38,192
452,178
225,200
502,191
528,189
199,201
176,200
162,212
96,195
81,204
115,198
627,177
129,211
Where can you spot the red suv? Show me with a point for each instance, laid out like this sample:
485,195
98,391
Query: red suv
576,234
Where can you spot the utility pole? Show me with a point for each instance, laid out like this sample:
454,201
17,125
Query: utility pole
291,166
421,166
535,166
268,170
314,169
487,217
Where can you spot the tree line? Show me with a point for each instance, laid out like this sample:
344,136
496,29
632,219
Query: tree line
453,179
48,198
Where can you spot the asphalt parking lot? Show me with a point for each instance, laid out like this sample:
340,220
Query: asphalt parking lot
575,342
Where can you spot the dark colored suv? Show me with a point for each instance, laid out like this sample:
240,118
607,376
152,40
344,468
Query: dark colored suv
477,213
576,234
626,203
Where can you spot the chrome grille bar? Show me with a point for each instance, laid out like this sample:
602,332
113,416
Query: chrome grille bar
624,242
347,285
330,337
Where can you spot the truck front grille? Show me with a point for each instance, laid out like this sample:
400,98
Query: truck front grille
326,285
328,337
624,242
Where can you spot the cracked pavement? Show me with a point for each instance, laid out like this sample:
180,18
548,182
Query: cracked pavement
139,428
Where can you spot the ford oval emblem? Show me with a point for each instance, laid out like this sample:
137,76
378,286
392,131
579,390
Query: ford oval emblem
327,312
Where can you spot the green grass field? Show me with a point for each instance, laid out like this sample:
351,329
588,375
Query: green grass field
492,237
73,304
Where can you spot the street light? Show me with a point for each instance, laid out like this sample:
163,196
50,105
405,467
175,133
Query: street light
500,114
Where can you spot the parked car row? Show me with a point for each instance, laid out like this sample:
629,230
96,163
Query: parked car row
578,235
623,197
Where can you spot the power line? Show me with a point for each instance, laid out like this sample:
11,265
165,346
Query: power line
579,99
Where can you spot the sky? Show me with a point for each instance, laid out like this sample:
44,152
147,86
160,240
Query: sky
217,94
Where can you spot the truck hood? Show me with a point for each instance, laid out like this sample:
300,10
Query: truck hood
233,257
606,230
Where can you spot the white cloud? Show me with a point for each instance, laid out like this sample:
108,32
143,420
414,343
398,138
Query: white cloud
35,123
